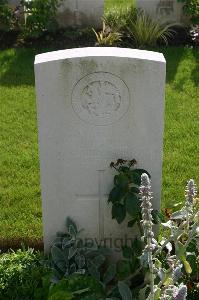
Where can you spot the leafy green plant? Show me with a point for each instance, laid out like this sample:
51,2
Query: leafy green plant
21,274
77,287
5,14
70,254
165,282
40,16
124,196
119,18
145,31
107,37
191,8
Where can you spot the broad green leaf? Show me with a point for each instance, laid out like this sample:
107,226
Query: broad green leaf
181,251
57,255
116,194
124,169
59,258
135,178
132,205
132,223
179,215
61,295
123,269
72,252
136,175
109,274
122,181
99,260
93,270
58,241
72,268
167,280
127,252
124,290
137,246
142,293
118,212
187,267
141,171
72,231
67,242
80,261
158,263
135,263
134,190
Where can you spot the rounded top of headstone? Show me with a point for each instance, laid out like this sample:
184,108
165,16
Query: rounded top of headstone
99,52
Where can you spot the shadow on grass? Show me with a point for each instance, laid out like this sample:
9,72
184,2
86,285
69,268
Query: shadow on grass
195,71
17,66
19,243
174,56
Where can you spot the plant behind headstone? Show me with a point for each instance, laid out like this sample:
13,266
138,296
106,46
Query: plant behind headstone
147,32
40,16
191,8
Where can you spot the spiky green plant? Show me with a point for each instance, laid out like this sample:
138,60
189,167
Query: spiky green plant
119,17
147,32
107,37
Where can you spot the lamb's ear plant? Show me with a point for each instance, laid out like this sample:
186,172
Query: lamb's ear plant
70,254
165,281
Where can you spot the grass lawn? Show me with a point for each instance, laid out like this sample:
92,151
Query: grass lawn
20,214
111,3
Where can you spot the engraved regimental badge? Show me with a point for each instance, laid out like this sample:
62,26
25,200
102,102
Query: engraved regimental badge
100,98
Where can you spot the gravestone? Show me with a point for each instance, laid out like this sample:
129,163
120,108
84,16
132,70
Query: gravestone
81,13
96,105
164,10
77,13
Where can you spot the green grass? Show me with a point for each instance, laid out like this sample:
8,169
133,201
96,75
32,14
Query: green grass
20,214
117,3
181,138
20,203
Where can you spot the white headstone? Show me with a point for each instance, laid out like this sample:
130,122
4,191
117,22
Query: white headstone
96,105
81,13
164,10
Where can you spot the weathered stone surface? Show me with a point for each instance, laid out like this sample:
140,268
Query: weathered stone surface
81,13
164,10
77,13
96,105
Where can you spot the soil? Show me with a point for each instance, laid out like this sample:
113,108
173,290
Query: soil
68,38
74,38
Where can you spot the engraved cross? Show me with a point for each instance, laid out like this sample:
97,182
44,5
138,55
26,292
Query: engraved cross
100,197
